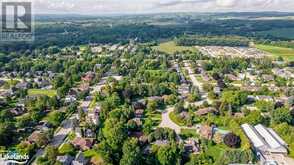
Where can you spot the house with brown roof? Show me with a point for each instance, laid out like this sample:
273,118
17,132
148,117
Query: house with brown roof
82,143
89,76
206,132
205,111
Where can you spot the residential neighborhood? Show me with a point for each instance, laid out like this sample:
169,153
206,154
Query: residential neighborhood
149,89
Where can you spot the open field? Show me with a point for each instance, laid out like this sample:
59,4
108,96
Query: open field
286,53
171,47
50,93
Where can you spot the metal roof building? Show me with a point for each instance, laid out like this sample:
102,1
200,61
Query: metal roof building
265,140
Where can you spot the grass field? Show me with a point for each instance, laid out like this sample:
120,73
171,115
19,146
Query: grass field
50,93
286,53
176,120
171,47
188,133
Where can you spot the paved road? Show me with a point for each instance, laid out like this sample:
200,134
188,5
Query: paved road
166,122
196,83
58,137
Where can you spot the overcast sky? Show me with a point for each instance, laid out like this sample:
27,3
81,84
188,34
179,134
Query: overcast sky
151,6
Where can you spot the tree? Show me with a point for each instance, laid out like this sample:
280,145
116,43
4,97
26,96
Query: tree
148,125
179,107
281,115
131,153
235,156
67,148
6,133
26,148
55,118
169,154
42,140
152,105
114,133
201,159
264,106
232,140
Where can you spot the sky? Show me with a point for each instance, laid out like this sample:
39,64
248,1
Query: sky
156,6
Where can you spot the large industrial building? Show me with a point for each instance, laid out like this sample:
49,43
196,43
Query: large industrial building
269,147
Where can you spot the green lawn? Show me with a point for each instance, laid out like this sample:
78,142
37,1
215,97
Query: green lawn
171,47
46,92
188,133
176,120
215,151
286,53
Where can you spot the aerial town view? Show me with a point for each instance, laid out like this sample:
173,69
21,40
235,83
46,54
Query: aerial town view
149,82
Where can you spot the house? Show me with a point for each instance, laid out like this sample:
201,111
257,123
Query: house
139,113
41,83
155,98
232,77
97,66
78,132
80,159
191,146
2,82
73,92
266,143
85,105
34,137
184,89
89,133
250,88
206,132
161,142
184,115
96,49
89,76
136,134
22,85
138,105
267,77
82,143
18,110
70,99
217,90
65,160
93,116
264,98
84,87
205,111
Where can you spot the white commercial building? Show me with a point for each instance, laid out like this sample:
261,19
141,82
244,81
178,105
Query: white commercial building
268,145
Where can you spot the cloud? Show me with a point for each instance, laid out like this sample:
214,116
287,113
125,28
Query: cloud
226,3
144,6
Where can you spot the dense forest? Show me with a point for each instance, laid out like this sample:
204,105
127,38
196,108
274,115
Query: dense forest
52,30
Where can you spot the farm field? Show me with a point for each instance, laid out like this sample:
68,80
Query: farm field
46,92
171,47
286,53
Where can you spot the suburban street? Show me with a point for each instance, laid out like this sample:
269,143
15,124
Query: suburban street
66,127
167,122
